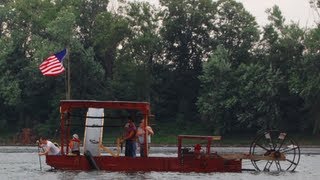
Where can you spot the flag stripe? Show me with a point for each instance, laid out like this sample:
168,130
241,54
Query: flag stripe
49,65
54,69
53,66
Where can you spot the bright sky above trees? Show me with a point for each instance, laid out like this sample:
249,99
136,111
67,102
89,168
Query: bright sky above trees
293,10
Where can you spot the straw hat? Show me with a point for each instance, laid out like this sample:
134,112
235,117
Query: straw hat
75,136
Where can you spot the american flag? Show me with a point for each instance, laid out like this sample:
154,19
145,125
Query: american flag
53,66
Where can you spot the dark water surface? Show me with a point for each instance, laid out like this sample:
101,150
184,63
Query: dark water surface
23,163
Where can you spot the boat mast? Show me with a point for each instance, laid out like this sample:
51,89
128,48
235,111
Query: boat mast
67,79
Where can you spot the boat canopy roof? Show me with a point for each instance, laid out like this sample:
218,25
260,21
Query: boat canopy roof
67,105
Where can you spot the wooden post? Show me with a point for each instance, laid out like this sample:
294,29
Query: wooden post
68,82
145,152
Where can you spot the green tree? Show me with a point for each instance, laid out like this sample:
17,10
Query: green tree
109,30
256,93
281,48
187,26
235,29
138,54
218,93
35,28
305,81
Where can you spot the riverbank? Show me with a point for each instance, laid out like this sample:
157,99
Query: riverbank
164,138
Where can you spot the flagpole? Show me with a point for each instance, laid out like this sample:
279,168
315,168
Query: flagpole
68,91
66,82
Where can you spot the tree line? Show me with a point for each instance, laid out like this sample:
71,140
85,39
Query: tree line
196,61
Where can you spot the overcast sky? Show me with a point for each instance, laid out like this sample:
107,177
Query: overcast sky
293,10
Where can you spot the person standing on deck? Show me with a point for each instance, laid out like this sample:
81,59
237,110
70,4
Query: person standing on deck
130,138
142,129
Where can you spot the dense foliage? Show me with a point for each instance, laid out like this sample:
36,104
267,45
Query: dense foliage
198,62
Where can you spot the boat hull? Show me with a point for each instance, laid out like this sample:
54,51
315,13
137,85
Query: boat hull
146,164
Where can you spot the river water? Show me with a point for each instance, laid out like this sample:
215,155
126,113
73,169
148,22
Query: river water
23,163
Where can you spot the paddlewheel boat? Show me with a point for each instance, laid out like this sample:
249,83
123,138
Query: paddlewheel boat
272,150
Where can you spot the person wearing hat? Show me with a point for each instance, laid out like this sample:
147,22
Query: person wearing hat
74,144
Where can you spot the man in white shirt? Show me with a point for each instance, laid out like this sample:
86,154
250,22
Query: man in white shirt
50,148
140,134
